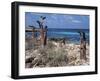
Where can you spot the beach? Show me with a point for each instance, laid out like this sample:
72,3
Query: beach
55,54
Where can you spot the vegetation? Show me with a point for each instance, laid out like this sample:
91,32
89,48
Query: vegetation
53,56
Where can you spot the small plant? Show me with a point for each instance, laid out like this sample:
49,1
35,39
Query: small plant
50,45
52,58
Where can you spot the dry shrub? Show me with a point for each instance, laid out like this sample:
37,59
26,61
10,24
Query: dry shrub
29,44
50,45
52,58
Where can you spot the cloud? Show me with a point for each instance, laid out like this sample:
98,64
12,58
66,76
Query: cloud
72,19
76,21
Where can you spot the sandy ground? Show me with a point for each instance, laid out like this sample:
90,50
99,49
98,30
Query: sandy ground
56,55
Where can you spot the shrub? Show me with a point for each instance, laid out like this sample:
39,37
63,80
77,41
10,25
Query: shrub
52,58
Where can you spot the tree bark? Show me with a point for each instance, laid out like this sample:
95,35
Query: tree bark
82,46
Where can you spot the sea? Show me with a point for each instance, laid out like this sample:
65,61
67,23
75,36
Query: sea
70,35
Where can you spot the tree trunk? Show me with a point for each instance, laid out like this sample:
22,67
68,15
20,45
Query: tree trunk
82,46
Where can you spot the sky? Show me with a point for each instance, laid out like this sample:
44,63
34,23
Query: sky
55,20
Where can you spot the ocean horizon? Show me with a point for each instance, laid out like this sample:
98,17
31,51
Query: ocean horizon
71,35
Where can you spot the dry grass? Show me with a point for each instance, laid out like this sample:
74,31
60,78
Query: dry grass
52,56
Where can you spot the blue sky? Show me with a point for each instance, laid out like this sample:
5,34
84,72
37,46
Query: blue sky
58,20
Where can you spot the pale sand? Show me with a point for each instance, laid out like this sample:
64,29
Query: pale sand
72,51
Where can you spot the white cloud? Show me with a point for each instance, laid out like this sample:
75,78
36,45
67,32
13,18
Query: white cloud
76,21
71,19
